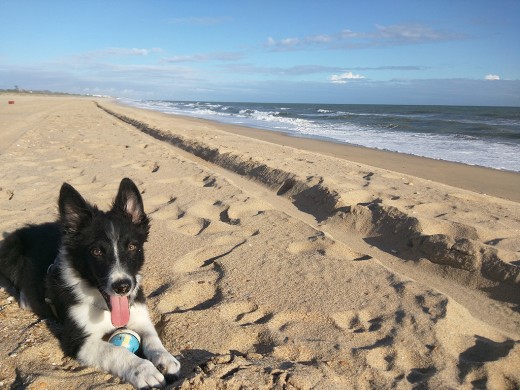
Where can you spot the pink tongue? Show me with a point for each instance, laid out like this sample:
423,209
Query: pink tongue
120,312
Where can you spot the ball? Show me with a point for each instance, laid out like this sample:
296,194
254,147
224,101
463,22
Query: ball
125,338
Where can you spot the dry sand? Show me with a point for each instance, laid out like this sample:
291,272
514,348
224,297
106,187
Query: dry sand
270,266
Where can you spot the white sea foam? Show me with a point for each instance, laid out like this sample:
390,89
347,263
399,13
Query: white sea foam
386,134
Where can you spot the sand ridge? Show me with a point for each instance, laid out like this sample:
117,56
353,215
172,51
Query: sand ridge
253,285
420,230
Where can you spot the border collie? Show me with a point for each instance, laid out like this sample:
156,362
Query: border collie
84,271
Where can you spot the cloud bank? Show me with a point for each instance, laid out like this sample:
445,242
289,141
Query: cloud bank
381,36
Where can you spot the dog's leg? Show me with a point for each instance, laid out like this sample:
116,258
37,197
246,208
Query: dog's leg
120,362
24,301
151,344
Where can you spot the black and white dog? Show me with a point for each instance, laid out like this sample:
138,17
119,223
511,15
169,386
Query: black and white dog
84,270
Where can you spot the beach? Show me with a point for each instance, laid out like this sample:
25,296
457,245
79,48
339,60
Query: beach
275,261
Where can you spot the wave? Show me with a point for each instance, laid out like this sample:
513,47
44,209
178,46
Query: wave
464,135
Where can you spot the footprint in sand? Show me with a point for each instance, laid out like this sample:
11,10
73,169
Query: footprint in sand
317,243
224,217
382,358
247,207
201,275
320,243
159,201
172,212
357,322
190,225
200,292
357,197
398,284
209,181
189,294
221,247
433,304
368,177
244,313
293,335
206,208
205,216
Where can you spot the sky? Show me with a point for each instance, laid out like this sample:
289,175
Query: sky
455,52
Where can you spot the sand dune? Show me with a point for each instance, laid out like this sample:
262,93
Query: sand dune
270,266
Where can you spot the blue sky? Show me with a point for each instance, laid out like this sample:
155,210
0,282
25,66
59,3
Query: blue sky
393,52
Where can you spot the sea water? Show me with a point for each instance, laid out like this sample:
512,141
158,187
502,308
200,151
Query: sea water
484,136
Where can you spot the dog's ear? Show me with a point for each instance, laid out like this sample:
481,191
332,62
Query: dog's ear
73,208
129,202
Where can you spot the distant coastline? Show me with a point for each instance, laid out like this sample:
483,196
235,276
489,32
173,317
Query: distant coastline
44,92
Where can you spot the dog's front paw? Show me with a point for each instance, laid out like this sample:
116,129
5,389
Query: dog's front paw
167,364
144,375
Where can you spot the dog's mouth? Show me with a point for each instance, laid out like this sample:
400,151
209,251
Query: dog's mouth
119,307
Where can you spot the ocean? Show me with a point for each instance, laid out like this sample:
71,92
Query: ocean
484,136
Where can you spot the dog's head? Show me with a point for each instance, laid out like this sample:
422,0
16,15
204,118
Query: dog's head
106,248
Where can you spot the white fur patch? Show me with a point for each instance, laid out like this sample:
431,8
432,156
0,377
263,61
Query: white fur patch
119,361
92,316
117,272
113,235
150,342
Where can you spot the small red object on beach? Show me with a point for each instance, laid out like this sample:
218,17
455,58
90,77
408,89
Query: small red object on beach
11,101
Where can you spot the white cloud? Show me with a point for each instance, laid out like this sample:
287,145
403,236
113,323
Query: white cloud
492,77
343,78
323,38
290,41
409,33
380,36
284,44
130,52
299,70
120,51
205,57
349,34
270,42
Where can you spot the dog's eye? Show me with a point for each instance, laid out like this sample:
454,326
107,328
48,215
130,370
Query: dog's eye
96,252
132,247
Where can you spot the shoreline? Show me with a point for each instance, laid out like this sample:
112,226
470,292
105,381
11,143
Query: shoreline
474,136
483,180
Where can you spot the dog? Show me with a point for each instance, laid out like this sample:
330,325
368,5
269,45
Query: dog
84,270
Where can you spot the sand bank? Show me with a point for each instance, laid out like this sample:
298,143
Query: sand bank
275,266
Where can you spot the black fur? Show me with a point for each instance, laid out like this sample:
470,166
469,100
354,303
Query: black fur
82,230
81,265
25,256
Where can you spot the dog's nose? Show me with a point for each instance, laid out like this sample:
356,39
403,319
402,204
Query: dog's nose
122,286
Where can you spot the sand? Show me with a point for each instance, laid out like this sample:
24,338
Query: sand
276,262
